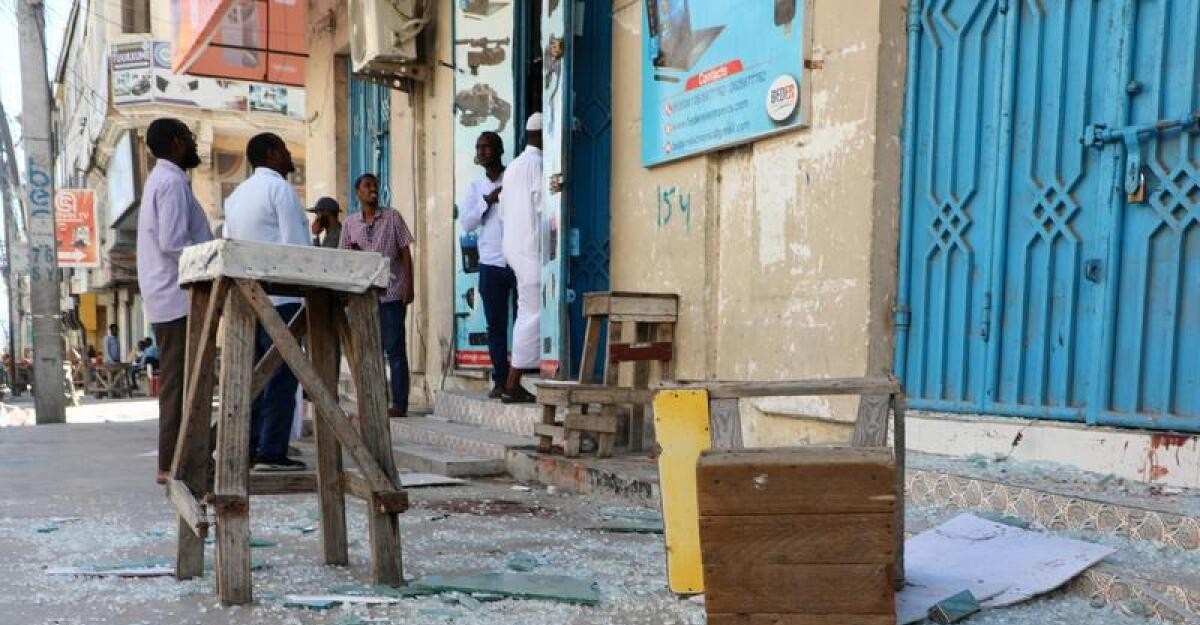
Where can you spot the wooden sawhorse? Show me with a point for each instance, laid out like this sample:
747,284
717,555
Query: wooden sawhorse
229,282
641,331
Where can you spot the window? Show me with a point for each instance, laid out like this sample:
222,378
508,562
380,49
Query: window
135,16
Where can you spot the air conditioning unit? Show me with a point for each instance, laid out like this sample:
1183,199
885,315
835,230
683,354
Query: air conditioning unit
384,33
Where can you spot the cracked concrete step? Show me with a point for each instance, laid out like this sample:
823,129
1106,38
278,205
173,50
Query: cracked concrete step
458,437
476,409
433,459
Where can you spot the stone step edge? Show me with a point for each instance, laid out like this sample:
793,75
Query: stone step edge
526,465
424,457
411,431
1052,510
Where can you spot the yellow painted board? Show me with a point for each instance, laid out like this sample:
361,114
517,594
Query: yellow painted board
681,426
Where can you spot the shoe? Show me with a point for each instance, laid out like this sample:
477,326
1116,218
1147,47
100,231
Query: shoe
496,392
394,413
294,451
160,477
519,396
279,465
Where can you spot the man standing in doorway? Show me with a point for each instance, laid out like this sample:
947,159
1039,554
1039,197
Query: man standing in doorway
169,220
326,228
381,229
266,208
112,346
520,210
497,283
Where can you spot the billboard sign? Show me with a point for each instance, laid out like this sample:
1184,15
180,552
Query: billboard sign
233,40
77,237
717,73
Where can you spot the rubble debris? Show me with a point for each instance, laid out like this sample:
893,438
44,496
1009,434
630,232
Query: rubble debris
628,526
486,507
954,609
425,480
523,562
330,600
517,586
310,602
156,567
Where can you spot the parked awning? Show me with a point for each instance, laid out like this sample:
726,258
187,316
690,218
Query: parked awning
257,40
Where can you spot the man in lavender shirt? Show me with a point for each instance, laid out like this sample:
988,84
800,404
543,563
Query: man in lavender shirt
169,220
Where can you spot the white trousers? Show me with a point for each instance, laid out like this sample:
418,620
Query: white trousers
527,329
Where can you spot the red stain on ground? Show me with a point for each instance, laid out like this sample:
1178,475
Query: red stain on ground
1157,472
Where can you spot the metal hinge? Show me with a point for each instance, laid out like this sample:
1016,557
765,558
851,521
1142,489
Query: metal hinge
902,317
985,328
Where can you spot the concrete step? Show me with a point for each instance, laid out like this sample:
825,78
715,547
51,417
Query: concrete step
632,480
474,408
432,459
458,437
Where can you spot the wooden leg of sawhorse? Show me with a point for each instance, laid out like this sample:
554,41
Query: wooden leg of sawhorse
546,443
637,333
191,464
322,351
230,488
384,527
591,345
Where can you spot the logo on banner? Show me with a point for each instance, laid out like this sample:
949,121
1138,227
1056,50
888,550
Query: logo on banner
782,98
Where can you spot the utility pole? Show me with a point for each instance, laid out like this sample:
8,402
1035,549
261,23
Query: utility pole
10,181
39,199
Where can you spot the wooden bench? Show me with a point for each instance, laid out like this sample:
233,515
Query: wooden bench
229,283
574,399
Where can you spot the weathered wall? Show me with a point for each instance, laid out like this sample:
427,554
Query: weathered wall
782,251
326,100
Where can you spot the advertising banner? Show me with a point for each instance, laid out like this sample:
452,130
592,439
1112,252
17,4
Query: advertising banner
258,40
717,73
555,135
77,237
483,100
142,74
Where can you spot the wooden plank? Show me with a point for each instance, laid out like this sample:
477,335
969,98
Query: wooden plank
644,306
640,352
191,463
745,541
572,442
543,429
663,371
191,512
681,418
638,434
591,422
318,391
233,454
595,304
565,394
283,483
725,423
269,363
802,480
829,386
591,348
801,619
395,501
322,351
383,527
604,444
802,589
546,441
871,425
288,265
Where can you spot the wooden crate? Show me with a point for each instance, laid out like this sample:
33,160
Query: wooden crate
798,536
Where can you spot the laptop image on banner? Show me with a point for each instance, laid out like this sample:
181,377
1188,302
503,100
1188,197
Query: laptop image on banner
676,45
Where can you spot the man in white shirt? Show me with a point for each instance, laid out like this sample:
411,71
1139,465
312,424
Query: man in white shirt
266,208
520,210
497,283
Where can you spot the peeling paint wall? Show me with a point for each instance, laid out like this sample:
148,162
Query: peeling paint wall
782,250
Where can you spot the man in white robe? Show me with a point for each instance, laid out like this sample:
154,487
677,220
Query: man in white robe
520,213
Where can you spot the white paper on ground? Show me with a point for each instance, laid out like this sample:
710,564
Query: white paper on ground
417,480
1000,564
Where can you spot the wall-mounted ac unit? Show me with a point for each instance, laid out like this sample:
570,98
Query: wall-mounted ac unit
384,34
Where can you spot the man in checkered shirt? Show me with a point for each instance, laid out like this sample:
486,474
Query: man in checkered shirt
382,229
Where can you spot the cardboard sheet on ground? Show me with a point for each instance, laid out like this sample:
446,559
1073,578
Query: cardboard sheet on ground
1000,564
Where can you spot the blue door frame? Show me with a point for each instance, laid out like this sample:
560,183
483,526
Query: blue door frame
1050,247
370,137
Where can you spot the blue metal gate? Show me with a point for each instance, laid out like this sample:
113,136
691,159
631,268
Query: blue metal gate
1051,256
588,215
370,145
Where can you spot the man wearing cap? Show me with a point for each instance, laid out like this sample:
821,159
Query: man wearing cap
326,228
520,211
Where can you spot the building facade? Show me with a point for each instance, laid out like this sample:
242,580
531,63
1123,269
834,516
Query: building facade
113,78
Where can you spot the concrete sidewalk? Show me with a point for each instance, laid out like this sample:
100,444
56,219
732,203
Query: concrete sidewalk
103,474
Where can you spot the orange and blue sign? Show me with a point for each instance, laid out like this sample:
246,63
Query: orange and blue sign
717,73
